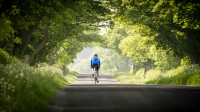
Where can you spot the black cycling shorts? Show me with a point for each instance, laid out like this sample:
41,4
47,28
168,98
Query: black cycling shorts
95,66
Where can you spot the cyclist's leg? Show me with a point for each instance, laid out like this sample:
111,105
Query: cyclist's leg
92,70
98,73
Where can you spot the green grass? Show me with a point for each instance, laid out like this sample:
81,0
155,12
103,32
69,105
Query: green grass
28,89
183,75
128,78
71,77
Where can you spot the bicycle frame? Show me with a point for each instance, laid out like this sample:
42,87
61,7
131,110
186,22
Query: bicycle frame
95,75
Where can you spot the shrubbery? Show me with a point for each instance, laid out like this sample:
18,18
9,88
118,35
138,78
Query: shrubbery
182,75
27,89
153,74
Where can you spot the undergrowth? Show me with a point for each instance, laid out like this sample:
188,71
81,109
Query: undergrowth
24,88
182,75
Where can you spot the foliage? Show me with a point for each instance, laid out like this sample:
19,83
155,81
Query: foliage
164,60
113,36
5,29
136,43
128,78
71,76
140,73
25,88
134,48
6,33
67,52
5,58
33,30
153,74
174,25
123,78
182,75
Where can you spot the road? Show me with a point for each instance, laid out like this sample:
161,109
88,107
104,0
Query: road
104,79
109,96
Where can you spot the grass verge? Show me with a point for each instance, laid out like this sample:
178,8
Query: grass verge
28,89
183,75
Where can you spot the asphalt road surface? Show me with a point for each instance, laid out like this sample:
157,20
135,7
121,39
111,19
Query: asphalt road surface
88,79
109,96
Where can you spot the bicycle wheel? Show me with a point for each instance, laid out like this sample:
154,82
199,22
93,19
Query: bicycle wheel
95,80
95,77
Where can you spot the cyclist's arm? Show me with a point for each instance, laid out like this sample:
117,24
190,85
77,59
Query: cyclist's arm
99,64
91,63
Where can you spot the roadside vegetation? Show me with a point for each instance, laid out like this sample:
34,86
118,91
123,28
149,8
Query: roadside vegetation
183,75
25,88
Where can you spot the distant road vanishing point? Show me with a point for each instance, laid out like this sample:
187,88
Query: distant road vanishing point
110,96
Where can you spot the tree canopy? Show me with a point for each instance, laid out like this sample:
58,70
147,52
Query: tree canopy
54,31
43,30
174,24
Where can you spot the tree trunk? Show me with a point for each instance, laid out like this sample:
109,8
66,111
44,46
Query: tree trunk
52,58
133,67
147,67
64,69
41,45
26,36
194,48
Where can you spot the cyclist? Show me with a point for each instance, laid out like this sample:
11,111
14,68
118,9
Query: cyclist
95,62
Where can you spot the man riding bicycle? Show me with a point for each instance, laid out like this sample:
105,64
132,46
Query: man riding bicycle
95,62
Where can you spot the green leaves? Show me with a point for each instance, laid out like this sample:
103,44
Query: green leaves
6,29
166,18
45,25
17,40
164,60
134,48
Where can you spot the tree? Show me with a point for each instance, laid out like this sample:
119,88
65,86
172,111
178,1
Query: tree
114,36
164,60
38,26
135,48
175,23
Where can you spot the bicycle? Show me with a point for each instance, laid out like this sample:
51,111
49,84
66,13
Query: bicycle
95,74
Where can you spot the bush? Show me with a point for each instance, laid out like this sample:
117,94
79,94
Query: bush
124,78
27,89
153,74
71,77
140,73
183,75
129,78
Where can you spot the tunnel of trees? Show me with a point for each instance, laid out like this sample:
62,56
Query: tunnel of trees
139,34
54,31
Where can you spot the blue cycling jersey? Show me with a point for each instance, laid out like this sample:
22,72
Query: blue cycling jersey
95,60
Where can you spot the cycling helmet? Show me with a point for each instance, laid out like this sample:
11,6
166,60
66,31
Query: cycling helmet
96,55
